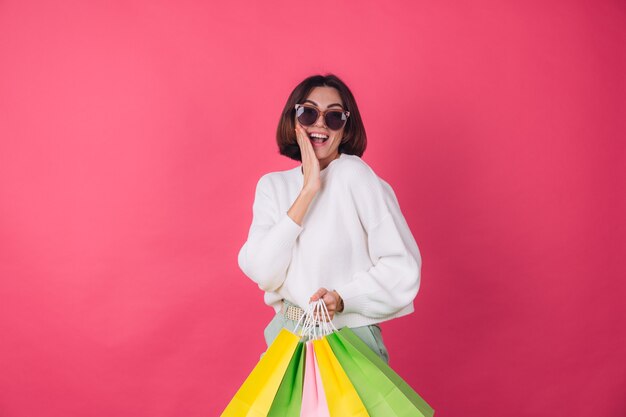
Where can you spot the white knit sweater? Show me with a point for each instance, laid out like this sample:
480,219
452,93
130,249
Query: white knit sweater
353,239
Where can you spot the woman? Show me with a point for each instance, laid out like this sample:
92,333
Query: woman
330,229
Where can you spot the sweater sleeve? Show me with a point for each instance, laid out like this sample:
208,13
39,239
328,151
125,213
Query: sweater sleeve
392,282
266,254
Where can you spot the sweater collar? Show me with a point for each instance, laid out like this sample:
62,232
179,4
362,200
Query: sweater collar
325,170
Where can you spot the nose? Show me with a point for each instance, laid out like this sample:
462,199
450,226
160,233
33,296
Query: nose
320,120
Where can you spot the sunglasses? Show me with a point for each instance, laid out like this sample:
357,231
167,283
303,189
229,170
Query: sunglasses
334,119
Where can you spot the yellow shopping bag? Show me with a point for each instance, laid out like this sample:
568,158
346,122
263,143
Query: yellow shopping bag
254,397
342,398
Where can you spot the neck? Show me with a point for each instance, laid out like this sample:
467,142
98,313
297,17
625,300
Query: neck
327,161
322,164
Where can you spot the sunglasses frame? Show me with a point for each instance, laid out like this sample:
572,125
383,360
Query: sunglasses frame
344,113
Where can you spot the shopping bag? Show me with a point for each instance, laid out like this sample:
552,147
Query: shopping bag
383,391
255,396
313,397
342,398
288,399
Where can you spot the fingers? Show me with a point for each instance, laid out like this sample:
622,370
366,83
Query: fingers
329,298
310,164
322,294
306,148
318,294
303,141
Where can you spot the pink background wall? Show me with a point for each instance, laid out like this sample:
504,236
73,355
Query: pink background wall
132,135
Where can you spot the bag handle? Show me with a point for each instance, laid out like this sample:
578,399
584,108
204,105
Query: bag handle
315,323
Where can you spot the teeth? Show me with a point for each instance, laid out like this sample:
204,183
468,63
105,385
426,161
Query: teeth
318,135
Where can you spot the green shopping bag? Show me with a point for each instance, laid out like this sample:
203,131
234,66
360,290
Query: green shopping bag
383,391
288,399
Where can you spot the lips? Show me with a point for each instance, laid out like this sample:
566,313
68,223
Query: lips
318,138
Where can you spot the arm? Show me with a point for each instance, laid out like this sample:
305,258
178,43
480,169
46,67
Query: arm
392,282
266,254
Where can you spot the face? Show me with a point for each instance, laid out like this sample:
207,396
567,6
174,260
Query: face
324,98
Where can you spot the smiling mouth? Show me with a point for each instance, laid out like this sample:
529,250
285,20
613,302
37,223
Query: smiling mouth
317,137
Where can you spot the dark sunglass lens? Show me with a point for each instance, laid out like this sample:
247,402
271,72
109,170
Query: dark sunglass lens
306,115
335,120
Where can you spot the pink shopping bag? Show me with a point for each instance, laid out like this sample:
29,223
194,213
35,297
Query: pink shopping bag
313,398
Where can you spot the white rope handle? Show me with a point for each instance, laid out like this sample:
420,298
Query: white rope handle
305,322
309,323
301,322
315,322
328,323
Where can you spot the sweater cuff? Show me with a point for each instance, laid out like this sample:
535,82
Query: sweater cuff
287,228
353,297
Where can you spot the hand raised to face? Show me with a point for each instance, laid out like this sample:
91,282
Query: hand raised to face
310,163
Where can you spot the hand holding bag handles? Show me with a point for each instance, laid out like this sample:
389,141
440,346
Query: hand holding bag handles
320,371
340,395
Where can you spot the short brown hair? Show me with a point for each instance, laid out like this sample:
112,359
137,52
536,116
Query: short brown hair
354,140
